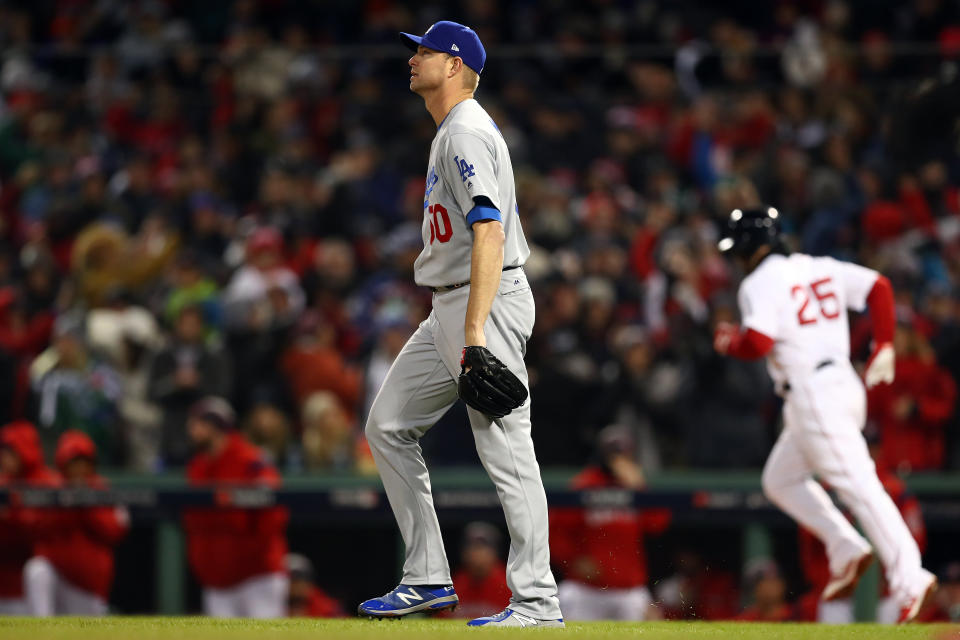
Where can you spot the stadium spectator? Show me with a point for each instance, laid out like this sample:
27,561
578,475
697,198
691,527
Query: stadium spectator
305,599
600,551
188,369
135,195
251,297
943,309
26,325
128,336
191,286
481,579
913,410
652,390
330,439
21,463
268,428
331,277
209,242
77,390
236,554
314,363
72,570
767,589
261,303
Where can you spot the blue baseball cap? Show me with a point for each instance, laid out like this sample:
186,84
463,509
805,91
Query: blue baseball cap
452,38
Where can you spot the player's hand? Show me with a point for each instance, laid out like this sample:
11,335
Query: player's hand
487,385
627,472
723,335
880,369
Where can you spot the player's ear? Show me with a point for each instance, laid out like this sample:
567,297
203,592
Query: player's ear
456,66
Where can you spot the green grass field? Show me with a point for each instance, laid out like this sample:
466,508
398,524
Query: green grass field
208,629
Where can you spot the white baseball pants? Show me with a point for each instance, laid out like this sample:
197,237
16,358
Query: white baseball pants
836,612
48,594
258,597
585,602
841,611
822,420
419,388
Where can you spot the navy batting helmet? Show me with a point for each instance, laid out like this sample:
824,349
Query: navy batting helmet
749,229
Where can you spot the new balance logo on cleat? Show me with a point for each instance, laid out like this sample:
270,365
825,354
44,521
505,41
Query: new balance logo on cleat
409,597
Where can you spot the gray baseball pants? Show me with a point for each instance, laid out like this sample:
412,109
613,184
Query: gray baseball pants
419,388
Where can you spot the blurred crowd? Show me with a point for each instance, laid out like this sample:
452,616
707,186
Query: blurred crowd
223,198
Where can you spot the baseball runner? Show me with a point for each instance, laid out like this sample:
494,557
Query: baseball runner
794,312
471,345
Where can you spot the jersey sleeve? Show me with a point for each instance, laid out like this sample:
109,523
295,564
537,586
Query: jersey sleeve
471,165
758,299
856,282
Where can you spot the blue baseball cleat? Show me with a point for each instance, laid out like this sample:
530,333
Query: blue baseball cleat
510,618
407,599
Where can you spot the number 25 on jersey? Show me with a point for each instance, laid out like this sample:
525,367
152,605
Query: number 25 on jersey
440,228
826,299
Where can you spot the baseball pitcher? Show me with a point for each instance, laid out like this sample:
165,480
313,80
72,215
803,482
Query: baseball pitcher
794,312
471,345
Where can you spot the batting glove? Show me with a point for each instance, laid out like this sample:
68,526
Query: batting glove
723,336
880,369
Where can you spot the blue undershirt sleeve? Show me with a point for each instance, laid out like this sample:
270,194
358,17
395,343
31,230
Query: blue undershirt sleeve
484,210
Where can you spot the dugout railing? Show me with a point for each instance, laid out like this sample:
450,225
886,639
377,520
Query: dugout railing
695,498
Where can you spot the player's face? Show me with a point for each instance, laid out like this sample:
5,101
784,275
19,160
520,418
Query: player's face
202,434
9,462
79,470
479,559
428,69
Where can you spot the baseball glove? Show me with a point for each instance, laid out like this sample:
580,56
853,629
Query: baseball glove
487,385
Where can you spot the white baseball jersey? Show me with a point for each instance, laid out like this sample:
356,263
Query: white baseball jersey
801,303
468,158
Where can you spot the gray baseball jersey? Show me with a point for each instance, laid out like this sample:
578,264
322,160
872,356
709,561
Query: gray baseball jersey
468,158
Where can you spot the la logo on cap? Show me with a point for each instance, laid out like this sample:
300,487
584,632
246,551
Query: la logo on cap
454,47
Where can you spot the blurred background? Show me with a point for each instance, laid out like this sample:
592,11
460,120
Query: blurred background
224,198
